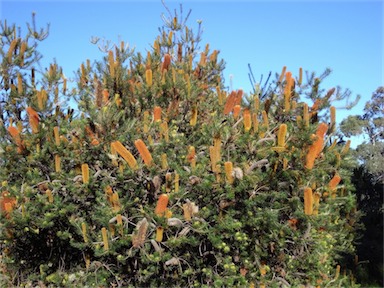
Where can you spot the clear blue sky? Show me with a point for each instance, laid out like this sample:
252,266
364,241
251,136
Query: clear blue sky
346,36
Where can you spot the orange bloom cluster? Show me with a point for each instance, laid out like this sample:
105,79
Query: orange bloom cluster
33,119
233,99
317,145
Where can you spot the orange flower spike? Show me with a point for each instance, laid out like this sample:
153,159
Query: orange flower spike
334,182
229,103
321,130
157,114
308,201
15,133
144,152
239,96
162,204
33,119
247,120
105,96
123,152
236,111
166,62
19,84
7,203
333,118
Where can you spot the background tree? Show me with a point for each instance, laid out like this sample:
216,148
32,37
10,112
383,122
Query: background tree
369,180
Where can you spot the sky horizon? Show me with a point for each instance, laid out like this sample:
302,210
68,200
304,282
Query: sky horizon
345,36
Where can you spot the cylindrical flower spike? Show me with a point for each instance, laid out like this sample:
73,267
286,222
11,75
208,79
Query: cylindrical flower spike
176,180
85,173
247,120
193,120
164,162
111,62
191,157
333,118
306,115
57,135
166,62
84,231
57,163
33,119
48,192
334,182
300,76
308,201
148,77
228,166
236,111
346,148
19,84
281,138
11,49
162,204
213,157
159,234
230,103
105,238
144,152
123,152
282,74
157,114
316,203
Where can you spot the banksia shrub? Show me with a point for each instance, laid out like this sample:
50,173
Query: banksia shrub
163,182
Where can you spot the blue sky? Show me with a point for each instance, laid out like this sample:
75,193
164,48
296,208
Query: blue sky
346,36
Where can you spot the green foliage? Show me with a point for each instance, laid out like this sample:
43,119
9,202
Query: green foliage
242,226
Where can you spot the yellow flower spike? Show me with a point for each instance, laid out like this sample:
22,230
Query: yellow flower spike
168,182
333,118
173,75
48,192
203,59
123,152
255,122
144,152
157,114
217,146
300,76
149,60
282,74
19,84
287,91
219,95
281,138
156,46
306,115
265,119
164,162
11,49
213,157
333,145
105,238
294,104
21,52
115,202
256,103
308,201
114,156
177,182
285,163
64,85
228,167
57,163
337,273
165,131
193,120
85,173
299,120
148,77
119,221
346,148
111,62
84,231
247,120
57,135
316,203
170,36
159,234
